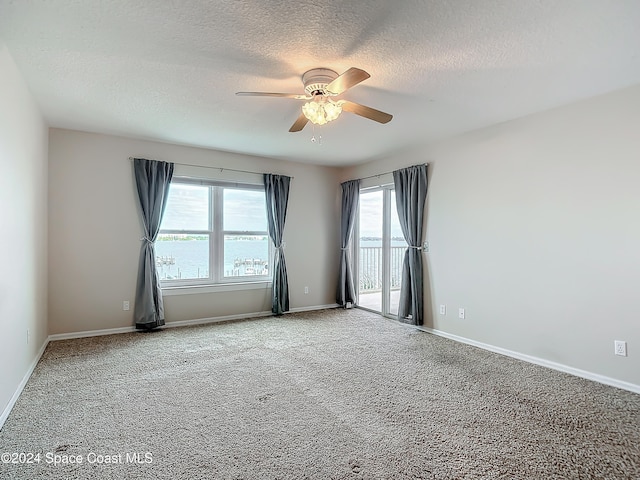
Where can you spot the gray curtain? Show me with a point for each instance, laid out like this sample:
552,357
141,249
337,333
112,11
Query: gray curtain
276,188
152,181
411,193
350,197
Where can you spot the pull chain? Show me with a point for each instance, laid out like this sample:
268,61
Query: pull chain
313,138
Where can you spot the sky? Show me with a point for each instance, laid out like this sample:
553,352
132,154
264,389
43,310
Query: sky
244,210
371,215
188,209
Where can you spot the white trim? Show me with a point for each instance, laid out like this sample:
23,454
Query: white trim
90,333
314,307
23,383
223,318
538,361
182,323
178,323
243,316
168,291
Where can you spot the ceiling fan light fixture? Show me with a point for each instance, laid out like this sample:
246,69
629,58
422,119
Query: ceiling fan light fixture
321,111
320,85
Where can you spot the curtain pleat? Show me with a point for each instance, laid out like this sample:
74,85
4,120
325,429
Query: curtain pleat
276,189
152,183
346,292
411,193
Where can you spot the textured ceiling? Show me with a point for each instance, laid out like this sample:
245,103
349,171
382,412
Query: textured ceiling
168,70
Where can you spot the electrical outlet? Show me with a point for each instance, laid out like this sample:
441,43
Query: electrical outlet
125,305
461,313
620,348
425,247
443,309
306,290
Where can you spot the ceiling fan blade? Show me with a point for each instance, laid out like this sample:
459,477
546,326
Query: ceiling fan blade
268,94
299,123
348,79
367,112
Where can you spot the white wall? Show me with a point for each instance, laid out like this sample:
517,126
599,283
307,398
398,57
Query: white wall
95,231
23,219
534,228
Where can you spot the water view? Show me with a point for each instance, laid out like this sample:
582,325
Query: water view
188,257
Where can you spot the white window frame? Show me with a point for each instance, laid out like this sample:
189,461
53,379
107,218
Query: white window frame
387,190
216,243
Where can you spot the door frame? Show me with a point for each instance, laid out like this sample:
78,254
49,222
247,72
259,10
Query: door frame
387,191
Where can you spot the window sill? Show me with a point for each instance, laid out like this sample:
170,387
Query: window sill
220,287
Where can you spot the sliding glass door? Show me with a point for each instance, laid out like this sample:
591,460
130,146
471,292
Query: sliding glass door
380,251
370,261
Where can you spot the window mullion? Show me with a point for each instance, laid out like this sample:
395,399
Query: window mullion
217,256
212,239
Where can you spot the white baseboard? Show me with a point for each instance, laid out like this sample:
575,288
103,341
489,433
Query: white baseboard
182,323
538,361
242,316
201,321
222,318
25,379
179,323
314,307
90,333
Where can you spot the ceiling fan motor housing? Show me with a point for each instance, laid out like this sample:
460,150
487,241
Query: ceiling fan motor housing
316,80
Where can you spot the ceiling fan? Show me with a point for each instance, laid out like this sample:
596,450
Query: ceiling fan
320,85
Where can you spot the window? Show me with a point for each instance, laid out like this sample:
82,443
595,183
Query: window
213,233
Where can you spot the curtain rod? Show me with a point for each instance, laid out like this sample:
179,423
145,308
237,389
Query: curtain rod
386,173
214,168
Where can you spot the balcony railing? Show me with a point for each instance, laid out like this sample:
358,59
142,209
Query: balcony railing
370,268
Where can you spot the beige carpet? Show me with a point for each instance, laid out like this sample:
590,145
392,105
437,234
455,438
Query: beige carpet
322,395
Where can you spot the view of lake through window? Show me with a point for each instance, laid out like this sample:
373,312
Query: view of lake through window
210,233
